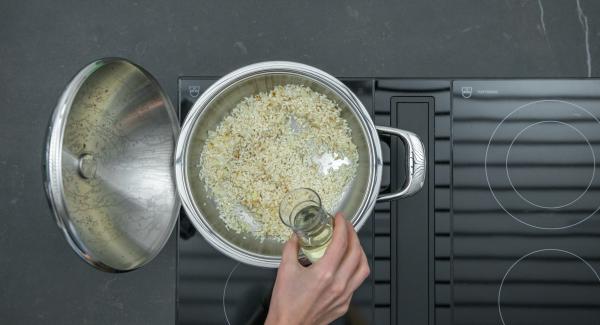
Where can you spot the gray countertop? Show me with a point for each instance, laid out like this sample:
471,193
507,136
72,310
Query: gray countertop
44,43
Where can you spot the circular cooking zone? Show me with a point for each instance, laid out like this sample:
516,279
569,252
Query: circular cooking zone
246,294
570,132
542,171
550,286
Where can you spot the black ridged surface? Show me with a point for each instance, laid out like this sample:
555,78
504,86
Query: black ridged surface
440,257
549,164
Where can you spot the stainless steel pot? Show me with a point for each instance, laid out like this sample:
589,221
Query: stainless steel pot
218,101
109,161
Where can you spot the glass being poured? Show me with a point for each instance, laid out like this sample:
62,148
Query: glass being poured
301,210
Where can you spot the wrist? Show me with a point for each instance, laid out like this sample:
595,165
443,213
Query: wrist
276,318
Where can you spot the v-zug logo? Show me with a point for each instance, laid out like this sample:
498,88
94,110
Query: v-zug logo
194,91
466,92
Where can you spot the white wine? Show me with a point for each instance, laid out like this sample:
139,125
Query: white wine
316,228
315,253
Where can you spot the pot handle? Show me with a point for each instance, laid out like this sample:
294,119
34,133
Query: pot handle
415,163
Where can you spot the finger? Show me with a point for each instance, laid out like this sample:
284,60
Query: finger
289,255
337,248
352,258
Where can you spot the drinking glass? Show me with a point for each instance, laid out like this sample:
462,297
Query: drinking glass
302,211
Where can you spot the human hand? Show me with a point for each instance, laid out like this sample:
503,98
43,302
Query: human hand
321,292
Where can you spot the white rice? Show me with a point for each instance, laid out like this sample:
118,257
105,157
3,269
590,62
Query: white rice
272,143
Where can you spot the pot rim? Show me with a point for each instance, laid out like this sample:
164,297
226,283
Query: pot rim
214,91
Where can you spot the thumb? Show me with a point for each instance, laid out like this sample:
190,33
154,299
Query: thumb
290,250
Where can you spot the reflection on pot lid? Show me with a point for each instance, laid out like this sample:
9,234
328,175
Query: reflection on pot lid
109,165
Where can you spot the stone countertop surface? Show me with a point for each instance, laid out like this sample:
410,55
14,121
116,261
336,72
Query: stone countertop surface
44,43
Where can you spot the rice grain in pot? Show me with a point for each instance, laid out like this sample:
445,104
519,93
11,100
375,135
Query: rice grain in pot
271,143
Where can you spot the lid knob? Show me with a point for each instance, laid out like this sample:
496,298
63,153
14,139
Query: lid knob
87,166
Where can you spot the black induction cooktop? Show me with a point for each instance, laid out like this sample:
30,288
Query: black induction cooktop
504,231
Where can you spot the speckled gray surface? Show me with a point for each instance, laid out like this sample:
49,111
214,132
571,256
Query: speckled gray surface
44,43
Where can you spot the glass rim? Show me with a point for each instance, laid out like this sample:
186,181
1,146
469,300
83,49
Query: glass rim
287,196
